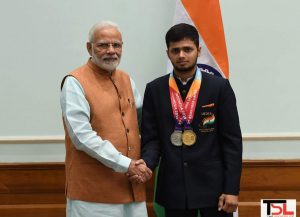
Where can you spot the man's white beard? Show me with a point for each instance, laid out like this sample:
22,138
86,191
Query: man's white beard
107,66
110,67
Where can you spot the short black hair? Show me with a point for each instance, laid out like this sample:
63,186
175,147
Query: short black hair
181,31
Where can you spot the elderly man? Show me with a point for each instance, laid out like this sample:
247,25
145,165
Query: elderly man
99,105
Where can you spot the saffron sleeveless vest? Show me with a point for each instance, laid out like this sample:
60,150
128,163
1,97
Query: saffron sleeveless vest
113,116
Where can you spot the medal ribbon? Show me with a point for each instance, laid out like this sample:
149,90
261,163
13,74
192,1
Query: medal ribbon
184,112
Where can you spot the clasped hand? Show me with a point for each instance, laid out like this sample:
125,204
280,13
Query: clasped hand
138,171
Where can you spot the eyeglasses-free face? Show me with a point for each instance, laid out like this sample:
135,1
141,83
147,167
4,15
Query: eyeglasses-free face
183,55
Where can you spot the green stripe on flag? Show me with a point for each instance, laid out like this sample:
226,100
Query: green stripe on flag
158,209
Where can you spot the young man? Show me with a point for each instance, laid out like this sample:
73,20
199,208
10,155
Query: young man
99,105
190,123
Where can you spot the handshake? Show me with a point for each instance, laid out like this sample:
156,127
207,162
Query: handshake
138,171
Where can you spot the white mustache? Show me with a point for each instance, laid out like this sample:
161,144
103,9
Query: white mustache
109,57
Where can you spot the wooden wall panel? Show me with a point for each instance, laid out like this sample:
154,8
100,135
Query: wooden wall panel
32,183
268,180
33,210
37,189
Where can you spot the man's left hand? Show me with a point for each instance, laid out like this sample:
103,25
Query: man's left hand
228,203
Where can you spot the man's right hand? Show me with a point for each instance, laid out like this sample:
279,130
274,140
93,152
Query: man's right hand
138,171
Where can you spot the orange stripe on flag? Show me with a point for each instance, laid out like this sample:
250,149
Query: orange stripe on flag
206,15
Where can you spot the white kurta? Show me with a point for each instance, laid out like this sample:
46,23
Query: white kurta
76,114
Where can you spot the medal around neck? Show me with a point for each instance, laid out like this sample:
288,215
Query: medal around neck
189,137
176,138
184,111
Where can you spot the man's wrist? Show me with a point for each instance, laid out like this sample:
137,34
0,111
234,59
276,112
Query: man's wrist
123,164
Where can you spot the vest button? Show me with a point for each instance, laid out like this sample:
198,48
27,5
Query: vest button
129,148
185,164
127,130
123,114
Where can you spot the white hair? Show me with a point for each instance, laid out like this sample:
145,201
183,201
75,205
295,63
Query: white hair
101,25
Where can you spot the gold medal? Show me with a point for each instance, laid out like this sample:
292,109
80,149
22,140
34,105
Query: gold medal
176,138
189,137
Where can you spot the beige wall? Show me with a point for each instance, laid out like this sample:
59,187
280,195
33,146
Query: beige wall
42,40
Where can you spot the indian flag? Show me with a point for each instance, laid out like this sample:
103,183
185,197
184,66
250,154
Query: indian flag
206,16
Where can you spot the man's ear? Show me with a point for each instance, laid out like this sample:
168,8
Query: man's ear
89,47
167,51
199,51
